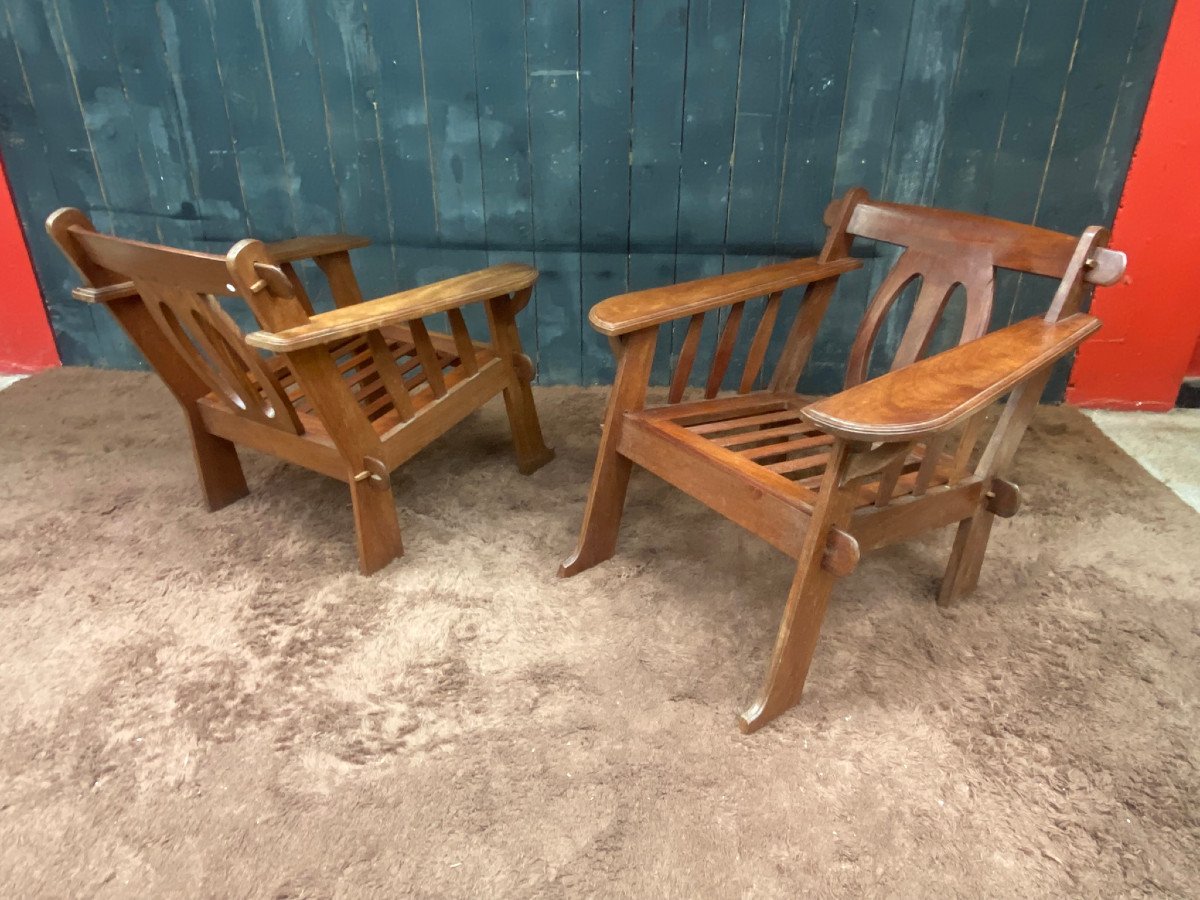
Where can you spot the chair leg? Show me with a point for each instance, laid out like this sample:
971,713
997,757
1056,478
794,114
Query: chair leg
376,525
602,517
217,463
807,599
966,559
788,669
528,443
610,481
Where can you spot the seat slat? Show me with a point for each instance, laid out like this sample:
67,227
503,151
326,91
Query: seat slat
813,463
763,434
808,443
698,412
785,415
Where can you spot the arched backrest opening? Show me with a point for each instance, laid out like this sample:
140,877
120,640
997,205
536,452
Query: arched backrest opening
179,289
949,252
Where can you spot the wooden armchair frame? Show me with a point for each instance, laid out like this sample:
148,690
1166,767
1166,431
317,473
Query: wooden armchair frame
352,393
880,462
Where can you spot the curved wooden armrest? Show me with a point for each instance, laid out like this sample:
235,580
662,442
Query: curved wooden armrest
938,393
312,246
643,309
405,306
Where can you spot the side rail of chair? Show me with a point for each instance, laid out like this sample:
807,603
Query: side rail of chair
638,316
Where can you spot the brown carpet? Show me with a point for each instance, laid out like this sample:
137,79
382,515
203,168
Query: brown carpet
218,705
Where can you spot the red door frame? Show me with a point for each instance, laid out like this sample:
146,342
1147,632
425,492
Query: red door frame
1152,318
26,341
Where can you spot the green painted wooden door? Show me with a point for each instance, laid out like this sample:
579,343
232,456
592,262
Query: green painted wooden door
614,144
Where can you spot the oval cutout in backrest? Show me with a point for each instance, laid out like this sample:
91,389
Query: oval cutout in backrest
191,350
881,353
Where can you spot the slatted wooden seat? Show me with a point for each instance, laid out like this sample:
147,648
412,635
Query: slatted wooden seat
351,393
766,440
882,461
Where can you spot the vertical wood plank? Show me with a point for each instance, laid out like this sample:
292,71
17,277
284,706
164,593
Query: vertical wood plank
191,63
659,47
713,58
456,145
27,152
154,120
351,74
499,40
552,59
877,56
45,75
976,104
246,84
816,103
605,121
290,50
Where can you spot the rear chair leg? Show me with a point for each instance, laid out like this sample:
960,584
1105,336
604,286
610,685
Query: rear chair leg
966,559
528,443
376,525
217,463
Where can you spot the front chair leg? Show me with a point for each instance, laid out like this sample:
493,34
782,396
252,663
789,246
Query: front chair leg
602,517
217,464
610,481
807,599
375,523
788,670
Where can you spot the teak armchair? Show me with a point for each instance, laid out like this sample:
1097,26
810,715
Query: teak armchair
351,393
880,462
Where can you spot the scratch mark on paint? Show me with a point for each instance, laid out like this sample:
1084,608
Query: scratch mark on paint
437,215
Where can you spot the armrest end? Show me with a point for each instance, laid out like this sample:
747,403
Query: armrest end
938,393
105,294
347,321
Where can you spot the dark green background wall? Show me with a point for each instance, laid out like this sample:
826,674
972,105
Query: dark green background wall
615,144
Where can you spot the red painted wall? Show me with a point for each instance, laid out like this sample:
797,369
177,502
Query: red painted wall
1152,319
26,342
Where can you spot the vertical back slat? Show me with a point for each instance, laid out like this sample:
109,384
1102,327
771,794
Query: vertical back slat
462,341
966,445
758,346
933,454
687,356
724,353
430,363
390,375
887,481
343,285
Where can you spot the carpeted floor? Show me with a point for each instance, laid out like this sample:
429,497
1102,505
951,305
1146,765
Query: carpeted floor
205,704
